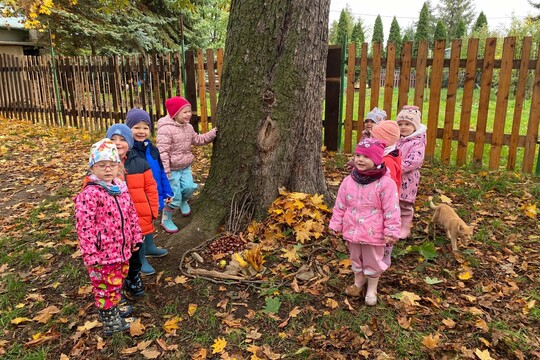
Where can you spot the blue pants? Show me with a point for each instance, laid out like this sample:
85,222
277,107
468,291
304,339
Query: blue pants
182,185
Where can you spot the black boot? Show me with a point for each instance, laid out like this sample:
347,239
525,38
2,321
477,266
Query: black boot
134,286
112,322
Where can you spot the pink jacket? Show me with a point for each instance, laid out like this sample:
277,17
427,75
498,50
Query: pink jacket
413,149
366,213
174,142
106,225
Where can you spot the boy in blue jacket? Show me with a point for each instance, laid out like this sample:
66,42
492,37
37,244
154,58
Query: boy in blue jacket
139,122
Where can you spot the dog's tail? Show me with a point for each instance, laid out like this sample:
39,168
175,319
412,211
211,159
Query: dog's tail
431,204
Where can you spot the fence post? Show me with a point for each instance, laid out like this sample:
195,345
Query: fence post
331,109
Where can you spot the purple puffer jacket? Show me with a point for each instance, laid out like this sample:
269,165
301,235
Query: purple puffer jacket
413,149
174,142
107,225
367,213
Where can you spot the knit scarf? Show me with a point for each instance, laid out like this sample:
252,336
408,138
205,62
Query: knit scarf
369,176
112,189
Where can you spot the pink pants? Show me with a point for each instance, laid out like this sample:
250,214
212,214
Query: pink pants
107,281
407,211
367,259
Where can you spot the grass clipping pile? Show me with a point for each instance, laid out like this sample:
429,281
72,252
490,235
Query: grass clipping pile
294,221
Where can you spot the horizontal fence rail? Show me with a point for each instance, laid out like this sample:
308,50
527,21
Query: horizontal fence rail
93,92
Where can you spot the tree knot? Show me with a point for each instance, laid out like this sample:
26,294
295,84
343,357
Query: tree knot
267,136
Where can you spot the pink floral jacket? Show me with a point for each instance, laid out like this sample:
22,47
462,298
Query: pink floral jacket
174,142
413,149
367,213
106,225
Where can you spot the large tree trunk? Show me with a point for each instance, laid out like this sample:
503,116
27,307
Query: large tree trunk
269,110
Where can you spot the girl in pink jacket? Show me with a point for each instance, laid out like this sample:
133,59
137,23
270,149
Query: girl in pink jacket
412,146
175,136
367,215
108,231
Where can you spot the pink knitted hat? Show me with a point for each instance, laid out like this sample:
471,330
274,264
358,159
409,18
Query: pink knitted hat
175,104
387,131
372,148
411,114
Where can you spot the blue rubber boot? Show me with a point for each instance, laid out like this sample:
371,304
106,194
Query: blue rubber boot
184,208
151,249
146,268
167,222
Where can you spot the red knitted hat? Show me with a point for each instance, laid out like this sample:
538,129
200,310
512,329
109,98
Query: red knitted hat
175,104
372,148
387,131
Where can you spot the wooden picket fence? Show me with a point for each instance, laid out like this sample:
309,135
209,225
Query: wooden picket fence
94,92
525,68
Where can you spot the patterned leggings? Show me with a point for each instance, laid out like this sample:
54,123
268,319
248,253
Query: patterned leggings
107,281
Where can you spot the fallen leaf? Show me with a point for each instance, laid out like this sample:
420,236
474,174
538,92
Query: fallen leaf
449,323
136,328
431,341
192,308
219,345
483,354
151,353
45,315
171,325
20,320
466,275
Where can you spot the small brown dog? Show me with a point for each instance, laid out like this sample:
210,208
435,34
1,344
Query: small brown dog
454,226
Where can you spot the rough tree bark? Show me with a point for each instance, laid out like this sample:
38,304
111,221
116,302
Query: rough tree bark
269,111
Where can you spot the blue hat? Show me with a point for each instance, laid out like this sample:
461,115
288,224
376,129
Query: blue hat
135,116
122,130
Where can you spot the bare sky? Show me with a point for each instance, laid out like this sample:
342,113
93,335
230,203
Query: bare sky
498,13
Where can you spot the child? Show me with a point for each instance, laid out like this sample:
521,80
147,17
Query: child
366,213
175,135
374,117
138,121
108,232
412,146
143,190
388,132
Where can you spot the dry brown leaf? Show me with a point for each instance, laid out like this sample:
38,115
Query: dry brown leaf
151,353
431,341
136,328
45,315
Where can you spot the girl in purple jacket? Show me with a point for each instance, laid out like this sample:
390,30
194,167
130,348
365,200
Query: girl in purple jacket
108,231
367,215
412,146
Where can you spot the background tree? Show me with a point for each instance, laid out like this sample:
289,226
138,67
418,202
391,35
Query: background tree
451,12
440,31
342,28
480,22
423,27
461,30
378,31
270,126
395,36
358,35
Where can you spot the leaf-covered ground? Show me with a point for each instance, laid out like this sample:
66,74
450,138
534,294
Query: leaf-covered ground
281,293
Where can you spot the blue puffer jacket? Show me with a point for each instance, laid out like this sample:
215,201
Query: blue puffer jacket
148,151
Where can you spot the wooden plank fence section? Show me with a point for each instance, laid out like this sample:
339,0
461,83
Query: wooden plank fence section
94,92
483,104
435,98
466,104
451,94
349,98
519,100
503,91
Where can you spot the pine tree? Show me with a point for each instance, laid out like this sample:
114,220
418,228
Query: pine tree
378,33
358,35
422,28
440,31
395,36
481,22
461,30
345,25
451,12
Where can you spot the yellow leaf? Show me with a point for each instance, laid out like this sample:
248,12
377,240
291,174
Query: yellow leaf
431,341
483,355
192,308
254,257
410,298
181,279
240,260
136,328
446,199
291,255
294,312
331,303
19,320
202,354
346,263
466,275
529,210
481,324
449,323
219,345
172,324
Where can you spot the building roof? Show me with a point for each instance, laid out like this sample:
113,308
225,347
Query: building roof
12,23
